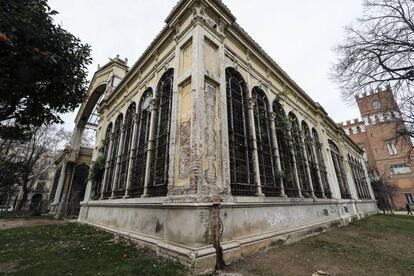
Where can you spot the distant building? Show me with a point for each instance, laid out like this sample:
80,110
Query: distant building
39,186
388,157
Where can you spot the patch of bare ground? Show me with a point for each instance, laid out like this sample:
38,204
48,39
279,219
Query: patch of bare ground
25,222
379,245
8,267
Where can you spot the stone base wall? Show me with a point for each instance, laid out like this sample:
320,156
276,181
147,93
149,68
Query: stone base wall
182,231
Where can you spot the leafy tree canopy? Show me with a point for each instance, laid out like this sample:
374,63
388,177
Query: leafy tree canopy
42,66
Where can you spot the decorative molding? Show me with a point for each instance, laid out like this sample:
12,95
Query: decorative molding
153,104
251,103
210,134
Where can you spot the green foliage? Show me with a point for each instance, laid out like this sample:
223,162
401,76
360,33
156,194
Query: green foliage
74,249
42,66
10,174
97,169
96,174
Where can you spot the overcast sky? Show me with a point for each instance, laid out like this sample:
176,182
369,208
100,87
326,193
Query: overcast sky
298,34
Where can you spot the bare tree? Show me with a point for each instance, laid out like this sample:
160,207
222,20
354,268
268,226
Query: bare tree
28,154
378,51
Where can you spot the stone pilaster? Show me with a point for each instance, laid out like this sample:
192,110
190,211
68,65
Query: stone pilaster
276,152
318,168
210,138
61,181
132,154
306,157
295,168
153,110
251,103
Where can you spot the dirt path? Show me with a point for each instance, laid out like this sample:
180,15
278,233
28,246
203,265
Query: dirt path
15,223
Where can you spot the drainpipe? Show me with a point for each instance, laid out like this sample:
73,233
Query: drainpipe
216,232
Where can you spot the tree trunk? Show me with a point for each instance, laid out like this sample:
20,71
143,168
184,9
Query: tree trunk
24,189
8,201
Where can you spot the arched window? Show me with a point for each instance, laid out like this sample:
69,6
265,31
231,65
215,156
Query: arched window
106,156
267,160
142,139
355,175
339,170
157,185
285,151
312,161
358,175
321,164
365,189
304,181
126,149
113,156
240,142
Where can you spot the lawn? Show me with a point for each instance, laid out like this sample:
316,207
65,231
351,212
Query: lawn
378,245
74,249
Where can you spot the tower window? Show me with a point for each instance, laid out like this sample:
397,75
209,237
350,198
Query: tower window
376,105
392,150
399,169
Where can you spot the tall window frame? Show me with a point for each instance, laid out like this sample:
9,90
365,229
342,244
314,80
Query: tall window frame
158,183
337,160
312,160
287,170
321,165
267,161
355,176
142,139
367,194
301,164
111,177
242,174
105,153
126,149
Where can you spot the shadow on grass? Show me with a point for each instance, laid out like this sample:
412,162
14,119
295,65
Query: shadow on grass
74,249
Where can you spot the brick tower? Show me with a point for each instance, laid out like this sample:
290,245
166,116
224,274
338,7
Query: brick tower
388,157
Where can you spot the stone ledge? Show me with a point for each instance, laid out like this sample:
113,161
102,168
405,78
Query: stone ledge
241,202
202,259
